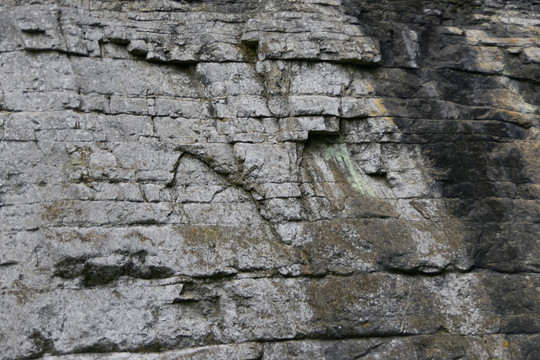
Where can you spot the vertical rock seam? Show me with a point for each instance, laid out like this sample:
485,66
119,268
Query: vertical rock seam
269,179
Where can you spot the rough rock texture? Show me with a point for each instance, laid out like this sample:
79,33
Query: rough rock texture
272,179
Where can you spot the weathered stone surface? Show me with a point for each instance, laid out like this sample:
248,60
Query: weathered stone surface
297,179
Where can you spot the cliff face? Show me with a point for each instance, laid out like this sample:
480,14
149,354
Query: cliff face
277,179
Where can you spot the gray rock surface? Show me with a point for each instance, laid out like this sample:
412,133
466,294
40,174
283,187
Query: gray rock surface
292,179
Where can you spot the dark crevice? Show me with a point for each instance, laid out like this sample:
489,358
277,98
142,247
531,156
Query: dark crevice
94,271
172,182
8,263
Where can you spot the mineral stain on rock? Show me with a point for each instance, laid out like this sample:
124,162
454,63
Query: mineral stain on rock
297,179
342,158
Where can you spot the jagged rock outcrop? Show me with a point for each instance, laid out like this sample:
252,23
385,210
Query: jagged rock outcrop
272,179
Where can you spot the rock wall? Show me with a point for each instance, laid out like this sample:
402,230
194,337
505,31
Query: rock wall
272,179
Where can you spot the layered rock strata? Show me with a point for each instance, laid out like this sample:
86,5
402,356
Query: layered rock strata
274,179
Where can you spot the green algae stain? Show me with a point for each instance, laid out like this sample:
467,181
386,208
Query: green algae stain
339,153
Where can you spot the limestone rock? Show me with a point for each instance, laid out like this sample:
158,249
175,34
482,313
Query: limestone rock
264,179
